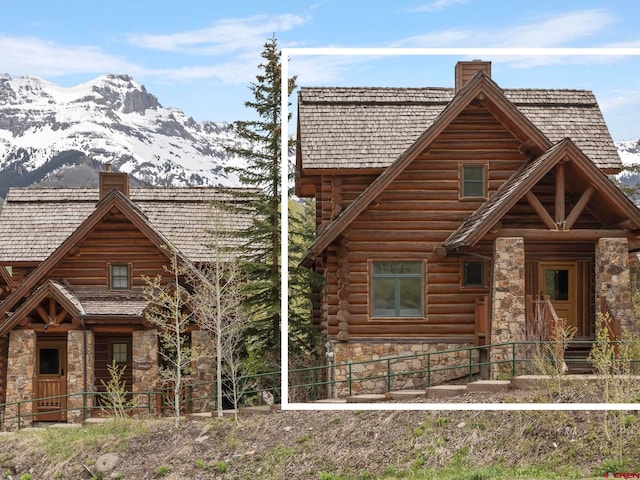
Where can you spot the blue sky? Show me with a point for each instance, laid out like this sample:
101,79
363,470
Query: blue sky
200,55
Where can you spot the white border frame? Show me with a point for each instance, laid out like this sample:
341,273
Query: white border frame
476,53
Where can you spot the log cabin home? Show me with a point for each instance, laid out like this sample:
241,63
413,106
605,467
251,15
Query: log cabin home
72,262
445,216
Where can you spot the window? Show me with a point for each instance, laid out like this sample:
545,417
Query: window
396,289
119,352
119,277
473,273
472,180
634,273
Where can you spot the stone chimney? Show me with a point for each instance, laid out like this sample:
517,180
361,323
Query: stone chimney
113,181
466,70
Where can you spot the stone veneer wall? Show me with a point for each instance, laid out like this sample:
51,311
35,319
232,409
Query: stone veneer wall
144,364
75,372
20,365
613,279
354,351
204,368
508,302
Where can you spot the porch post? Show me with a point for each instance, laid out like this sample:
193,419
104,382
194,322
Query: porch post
203,367
75,372
20,370
144,366
508,302
613,280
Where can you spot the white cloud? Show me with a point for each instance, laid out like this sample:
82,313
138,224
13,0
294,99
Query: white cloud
556,31
34,56
436,6
225,36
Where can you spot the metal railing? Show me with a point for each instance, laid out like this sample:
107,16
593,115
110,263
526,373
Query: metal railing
250,390
313,381
520,359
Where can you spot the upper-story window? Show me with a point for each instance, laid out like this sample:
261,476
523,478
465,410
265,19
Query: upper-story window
396,289
119,277
473,181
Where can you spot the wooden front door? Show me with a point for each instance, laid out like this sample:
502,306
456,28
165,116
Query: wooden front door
559,281
50,381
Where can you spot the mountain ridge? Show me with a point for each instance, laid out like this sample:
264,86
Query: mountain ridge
110,119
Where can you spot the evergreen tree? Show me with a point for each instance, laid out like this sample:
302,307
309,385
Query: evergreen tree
262,242
304,337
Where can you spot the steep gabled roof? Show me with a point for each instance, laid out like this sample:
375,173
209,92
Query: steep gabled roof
369,128
35,221
113,200
489,213
49,289
480,87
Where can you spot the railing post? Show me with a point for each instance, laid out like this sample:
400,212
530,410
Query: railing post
429,369
349,376
19,418
513,359
388,374
470,351
314,379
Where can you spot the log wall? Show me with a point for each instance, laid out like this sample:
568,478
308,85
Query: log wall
103,358
4,348
117,241
414,214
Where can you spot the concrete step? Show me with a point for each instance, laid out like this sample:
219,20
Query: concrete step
486,386
331,400
405,394
367,398
445,391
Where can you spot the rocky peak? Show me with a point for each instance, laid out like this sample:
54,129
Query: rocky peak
121,92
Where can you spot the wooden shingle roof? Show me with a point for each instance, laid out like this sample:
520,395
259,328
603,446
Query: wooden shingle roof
35,221
360,128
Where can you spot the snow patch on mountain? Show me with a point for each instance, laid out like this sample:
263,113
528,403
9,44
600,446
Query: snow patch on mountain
111,119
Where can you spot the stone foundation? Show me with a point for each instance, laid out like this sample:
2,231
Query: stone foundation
354,351
144,365
20,364
508,302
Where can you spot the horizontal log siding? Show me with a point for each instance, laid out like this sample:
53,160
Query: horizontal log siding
115,241
414,214
103,358
4,348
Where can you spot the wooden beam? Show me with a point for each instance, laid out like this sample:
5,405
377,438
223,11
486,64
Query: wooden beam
43,314
560,206
587,235
60,316
52,309
579,207
541,211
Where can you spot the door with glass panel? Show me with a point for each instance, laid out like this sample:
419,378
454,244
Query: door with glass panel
558,280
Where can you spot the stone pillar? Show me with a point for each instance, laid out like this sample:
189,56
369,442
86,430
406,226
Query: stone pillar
144,365
613,280
76,359
508,302
20,367
203,370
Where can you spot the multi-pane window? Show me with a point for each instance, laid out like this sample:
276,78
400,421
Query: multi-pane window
119,352
473,273
119,277
396,289
473,184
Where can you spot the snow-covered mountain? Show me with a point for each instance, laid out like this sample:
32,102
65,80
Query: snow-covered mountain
629,151
45,128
